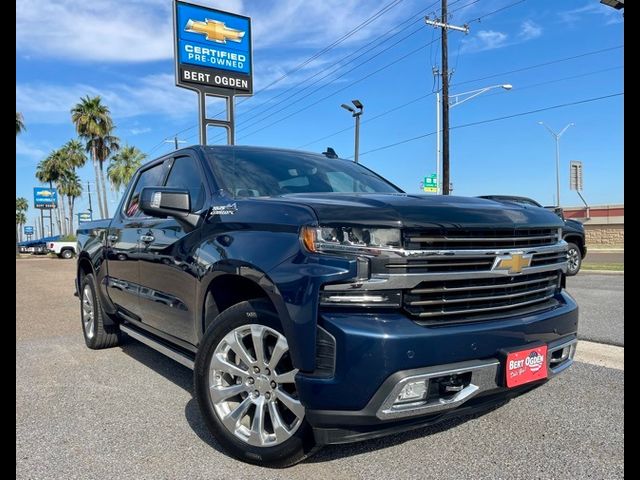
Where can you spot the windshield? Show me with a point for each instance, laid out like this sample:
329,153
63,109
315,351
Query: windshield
259,173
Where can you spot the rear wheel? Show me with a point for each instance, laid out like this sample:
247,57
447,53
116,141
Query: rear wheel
244,384
97,335
67,254
574,259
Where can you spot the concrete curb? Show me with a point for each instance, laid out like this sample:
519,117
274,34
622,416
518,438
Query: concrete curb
609,356
602,272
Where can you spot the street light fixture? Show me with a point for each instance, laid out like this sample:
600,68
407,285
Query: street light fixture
455,100
355,114
557,138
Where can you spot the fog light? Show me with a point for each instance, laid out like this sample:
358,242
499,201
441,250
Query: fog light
412,392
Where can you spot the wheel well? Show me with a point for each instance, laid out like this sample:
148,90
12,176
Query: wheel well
84,268
226,291
577,240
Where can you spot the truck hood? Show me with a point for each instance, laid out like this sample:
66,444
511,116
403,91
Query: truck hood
421,211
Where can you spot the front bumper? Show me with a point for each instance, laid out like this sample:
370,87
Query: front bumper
378,353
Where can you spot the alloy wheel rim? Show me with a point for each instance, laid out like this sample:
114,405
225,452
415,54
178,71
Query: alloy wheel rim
88,313
572,259
252,388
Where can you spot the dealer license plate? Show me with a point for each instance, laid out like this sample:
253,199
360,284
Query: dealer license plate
525,366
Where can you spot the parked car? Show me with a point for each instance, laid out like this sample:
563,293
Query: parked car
317,303
572,231
63,249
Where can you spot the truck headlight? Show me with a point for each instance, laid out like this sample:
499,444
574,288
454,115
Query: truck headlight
360,240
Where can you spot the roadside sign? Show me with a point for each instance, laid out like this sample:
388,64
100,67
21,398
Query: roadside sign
575,175
84,217
212,50
28,230
430,183
45,198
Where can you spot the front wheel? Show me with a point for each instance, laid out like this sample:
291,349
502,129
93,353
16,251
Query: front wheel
244,385
574,259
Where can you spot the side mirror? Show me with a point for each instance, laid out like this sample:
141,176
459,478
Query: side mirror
169,202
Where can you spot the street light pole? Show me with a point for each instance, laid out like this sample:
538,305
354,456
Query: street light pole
456,100
355,114
557,138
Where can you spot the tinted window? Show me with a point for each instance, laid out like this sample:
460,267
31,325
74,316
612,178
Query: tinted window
185,173
267,173
151,177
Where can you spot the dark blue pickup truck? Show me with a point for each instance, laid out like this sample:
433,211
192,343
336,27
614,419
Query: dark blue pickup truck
317,303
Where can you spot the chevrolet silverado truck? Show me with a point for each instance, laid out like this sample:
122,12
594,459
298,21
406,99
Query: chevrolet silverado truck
317,303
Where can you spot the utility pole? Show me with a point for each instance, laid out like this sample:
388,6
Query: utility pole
175,141
445,89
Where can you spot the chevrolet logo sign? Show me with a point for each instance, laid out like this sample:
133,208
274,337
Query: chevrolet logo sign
214,31
513,262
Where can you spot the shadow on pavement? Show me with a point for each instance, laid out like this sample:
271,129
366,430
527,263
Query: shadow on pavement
183,377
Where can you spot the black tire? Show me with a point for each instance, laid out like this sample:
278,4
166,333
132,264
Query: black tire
67,253
295,449
574,256
104,334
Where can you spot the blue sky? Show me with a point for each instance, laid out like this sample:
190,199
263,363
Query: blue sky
123,52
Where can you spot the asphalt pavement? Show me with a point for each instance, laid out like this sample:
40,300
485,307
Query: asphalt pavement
600,298
128,413
604,257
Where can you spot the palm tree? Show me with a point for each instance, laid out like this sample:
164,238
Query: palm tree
21,217
123,165
92,120
71,187
51,170
74,152
19,123
105,146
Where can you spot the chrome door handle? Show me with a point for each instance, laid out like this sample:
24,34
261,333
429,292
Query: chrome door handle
147,238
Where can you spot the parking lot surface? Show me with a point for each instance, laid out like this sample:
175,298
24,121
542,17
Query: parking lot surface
128,412
601,301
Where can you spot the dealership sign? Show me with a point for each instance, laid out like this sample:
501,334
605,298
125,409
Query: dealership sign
28,230
212,50
84,217
45,198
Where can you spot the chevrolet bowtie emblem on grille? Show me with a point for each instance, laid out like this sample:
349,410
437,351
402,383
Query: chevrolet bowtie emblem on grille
214,30
514,262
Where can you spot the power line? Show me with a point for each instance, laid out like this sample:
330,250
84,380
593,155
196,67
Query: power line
412,52
495,11
422,97
538,65
496,119
329,47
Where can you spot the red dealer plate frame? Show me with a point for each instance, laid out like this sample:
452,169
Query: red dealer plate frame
526,366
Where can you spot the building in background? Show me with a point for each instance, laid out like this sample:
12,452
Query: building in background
603,224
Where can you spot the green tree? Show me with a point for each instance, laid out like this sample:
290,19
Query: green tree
105,146
21,218
123,165
51,170
71,187
94,125
19,123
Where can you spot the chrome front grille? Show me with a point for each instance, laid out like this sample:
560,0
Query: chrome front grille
479,238
473,299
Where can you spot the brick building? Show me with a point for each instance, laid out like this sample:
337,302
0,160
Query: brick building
603,224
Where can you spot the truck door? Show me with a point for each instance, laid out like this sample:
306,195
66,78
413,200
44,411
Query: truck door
167,268
123,279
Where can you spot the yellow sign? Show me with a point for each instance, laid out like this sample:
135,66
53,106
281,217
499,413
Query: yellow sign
430,189
514,262
214,30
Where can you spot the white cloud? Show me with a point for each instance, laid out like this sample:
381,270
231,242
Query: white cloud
29,150
484,40
51,103
99,30
529,30
573,16
141,31
139,131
